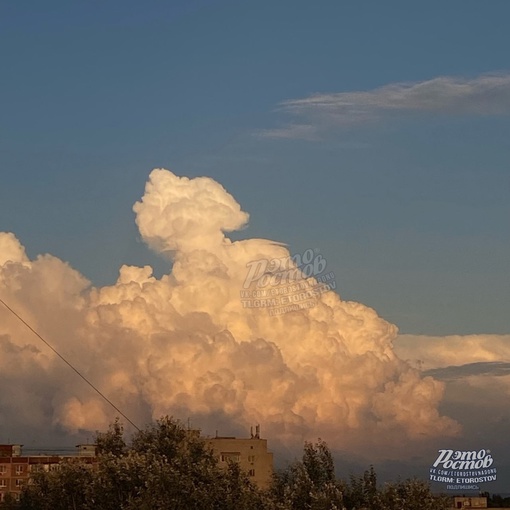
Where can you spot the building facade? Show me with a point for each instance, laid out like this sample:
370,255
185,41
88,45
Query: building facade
251,454
469,502
16,468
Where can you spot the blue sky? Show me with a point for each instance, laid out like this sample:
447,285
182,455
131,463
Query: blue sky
375,132
409,206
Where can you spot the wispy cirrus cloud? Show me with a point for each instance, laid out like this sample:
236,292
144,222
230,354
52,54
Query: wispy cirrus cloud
485,95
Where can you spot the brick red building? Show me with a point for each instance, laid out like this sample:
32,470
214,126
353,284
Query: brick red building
16,469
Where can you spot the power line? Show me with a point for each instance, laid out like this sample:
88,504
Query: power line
68,364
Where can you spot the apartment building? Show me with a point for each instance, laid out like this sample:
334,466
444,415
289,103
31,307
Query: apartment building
251,454
16,468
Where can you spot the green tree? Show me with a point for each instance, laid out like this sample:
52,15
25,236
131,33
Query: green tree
63,489
309,484
9,503
113,441
165,468
362,491
411,494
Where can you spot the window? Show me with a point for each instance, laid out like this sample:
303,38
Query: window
54,467
251,458
19,482
3,470
251,472
230,456
3,482
19,470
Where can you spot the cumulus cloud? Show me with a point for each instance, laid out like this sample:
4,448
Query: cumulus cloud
477,361
476,373
177,213
184,344
11,250
483,95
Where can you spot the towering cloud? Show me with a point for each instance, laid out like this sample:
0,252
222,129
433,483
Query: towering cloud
186,344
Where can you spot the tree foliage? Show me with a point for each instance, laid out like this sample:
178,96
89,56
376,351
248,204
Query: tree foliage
309,484
496,500
166,467
111,442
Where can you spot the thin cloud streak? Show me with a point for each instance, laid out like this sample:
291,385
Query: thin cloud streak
485,95
489,368
432,352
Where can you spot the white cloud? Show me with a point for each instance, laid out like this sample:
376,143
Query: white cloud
476,360
293,131
185,345
432,352
476,373
484,95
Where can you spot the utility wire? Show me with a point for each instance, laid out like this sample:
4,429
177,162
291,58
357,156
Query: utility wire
68,364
